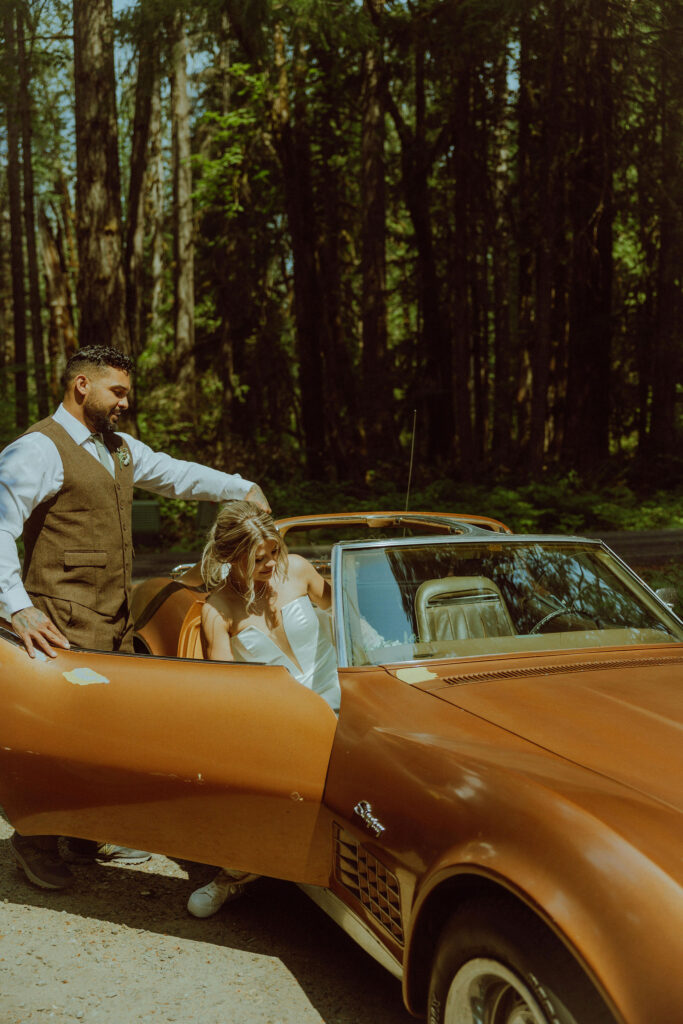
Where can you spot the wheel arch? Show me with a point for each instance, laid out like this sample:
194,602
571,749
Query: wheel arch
439,907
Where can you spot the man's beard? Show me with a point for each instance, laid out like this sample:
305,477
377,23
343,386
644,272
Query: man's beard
100,419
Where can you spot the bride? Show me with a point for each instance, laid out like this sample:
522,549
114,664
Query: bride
264,605
263,608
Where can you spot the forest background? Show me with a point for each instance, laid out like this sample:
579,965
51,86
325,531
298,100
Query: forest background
367,253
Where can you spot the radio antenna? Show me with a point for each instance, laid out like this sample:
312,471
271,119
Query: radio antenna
412,456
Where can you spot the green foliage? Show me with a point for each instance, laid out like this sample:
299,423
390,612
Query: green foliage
181,527
235,138
479,134
660,577
561,506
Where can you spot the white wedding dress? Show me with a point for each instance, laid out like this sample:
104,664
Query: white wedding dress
309,634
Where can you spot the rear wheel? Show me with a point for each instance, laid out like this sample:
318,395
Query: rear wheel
497,964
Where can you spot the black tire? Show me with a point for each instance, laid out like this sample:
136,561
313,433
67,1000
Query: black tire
497,964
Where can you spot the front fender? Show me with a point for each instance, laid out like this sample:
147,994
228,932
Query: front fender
578,870
464,804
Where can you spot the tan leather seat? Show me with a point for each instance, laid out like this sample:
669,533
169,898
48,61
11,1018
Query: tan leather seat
461,607
191,639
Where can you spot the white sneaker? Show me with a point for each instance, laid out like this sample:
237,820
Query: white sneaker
226,886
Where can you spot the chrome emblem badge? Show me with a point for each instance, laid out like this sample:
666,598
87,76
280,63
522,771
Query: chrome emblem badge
364,812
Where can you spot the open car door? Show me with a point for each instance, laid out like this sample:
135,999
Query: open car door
219,763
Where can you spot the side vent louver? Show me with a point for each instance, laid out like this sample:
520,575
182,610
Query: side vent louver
369,881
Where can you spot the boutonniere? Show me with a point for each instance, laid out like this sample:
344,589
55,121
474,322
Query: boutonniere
123,455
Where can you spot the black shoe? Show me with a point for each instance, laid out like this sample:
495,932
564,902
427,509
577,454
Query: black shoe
82,851
44,867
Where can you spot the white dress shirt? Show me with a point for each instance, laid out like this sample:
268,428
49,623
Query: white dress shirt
31,471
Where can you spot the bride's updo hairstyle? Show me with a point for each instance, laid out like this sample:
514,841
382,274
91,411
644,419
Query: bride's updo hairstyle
239,529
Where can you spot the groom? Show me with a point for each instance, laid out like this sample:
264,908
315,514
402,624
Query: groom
67,486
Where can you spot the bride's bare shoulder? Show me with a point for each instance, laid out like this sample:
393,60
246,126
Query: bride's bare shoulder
298,567
219,603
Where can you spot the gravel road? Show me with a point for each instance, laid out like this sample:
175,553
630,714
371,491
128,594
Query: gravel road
119,948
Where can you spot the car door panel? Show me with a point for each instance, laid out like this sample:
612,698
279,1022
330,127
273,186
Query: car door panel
222,763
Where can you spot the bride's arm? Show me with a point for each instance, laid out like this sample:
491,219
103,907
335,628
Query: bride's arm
321,592
317,588
216,634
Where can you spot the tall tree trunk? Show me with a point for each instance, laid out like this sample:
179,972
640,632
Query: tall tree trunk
182,214
21,412
135,225
155,179
5,301
293,148
588,384
30,223
480,186
233,424
343,426
503,392
435,357
377,403
525,237
549,216
666,355
61,337
648,239
223,64
294,153
65,221
462,253
101,283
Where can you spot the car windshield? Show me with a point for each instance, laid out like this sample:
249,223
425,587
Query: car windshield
441,599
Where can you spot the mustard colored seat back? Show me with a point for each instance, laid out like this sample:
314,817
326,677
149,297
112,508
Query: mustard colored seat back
191,640
460,608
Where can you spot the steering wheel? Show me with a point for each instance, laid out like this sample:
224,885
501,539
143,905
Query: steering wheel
548,618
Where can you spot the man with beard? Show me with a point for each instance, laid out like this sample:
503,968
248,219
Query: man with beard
67,485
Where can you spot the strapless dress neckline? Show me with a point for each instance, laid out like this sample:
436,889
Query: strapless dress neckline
309,635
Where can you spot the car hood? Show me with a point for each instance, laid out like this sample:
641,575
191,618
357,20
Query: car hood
617,714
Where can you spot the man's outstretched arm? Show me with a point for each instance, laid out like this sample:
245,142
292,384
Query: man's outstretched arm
256,495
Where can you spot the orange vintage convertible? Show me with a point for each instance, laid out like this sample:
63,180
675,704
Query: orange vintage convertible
496,815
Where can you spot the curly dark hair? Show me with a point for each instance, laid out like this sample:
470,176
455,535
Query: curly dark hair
95,355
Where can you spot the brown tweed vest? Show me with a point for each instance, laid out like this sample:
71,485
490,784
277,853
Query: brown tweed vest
79,546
